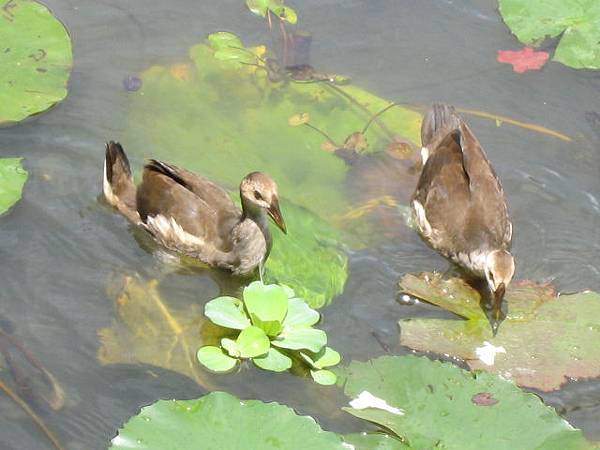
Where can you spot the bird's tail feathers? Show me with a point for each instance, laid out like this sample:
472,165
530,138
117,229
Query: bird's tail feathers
118,186
439,117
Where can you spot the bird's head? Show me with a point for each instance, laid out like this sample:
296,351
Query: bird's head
499,270
259,191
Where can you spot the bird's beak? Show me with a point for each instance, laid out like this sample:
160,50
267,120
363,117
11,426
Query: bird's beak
498,297
275,214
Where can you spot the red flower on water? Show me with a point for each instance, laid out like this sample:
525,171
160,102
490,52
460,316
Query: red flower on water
523,60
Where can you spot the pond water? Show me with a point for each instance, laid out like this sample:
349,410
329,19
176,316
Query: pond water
61,248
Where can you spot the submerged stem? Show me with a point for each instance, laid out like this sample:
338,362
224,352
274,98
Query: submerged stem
38,421
322,133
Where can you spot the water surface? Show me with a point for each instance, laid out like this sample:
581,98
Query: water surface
61,247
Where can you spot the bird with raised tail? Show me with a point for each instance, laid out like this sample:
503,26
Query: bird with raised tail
459,205
189,214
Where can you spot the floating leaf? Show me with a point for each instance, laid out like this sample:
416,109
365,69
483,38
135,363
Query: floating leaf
36,59
231,346
327,357
274,360
324,377
12,180
262,7
227,312
577,21
221,421
523,60
544,341
300,315
214,359
266,305
252,342
301,338
147,330
438,412
375,441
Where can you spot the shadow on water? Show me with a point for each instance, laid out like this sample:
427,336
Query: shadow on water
60,246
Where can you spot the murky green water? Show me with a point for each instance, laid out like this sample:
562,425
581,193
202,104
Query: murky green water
61,247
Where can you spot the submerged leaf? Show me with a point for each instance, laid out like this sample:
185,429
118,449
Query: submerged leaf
240,120
12,180
578,21
438,411
147,330
544,341
222,421
36,59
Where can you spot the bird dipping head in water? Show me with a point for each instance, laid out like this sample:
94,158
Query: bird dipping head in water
499,270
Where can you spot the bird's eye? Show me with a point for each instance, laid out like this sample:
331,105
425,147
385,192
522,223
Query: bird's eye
257,195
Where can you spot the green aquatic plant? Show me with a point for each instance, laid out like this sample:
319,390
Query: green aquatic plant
420,403
220,114
275,327
264,8
545,340
221,421
431,404
12,179
36,59
577,22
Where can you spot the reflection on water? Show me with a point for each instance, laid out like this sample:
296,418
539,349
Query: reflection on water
61,247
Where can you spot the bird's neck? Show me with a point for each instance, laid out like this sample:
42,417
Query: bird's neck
259,216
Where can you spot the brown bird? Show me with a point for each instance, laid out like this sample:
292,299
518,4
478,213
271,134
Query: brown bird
459,204
191,215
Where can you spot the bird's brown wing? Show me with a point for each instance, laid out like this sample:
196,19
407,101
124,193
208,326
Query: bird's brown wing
461,195
199,206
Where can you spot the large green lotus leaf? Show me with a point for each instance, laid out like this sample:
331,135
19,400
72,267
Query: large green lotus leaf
577,20
544,341
224,119
222,421
12,180
375,441
310,258
430,404
36,59
147,330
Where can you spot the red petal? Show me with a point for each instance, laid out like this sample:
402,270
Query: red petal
523,60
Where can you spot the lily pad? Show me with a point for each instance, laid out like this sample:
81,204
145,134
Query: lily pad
375,441
224,119
147,330
428,404
544,341
12,180
576,21
36,59
221,421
